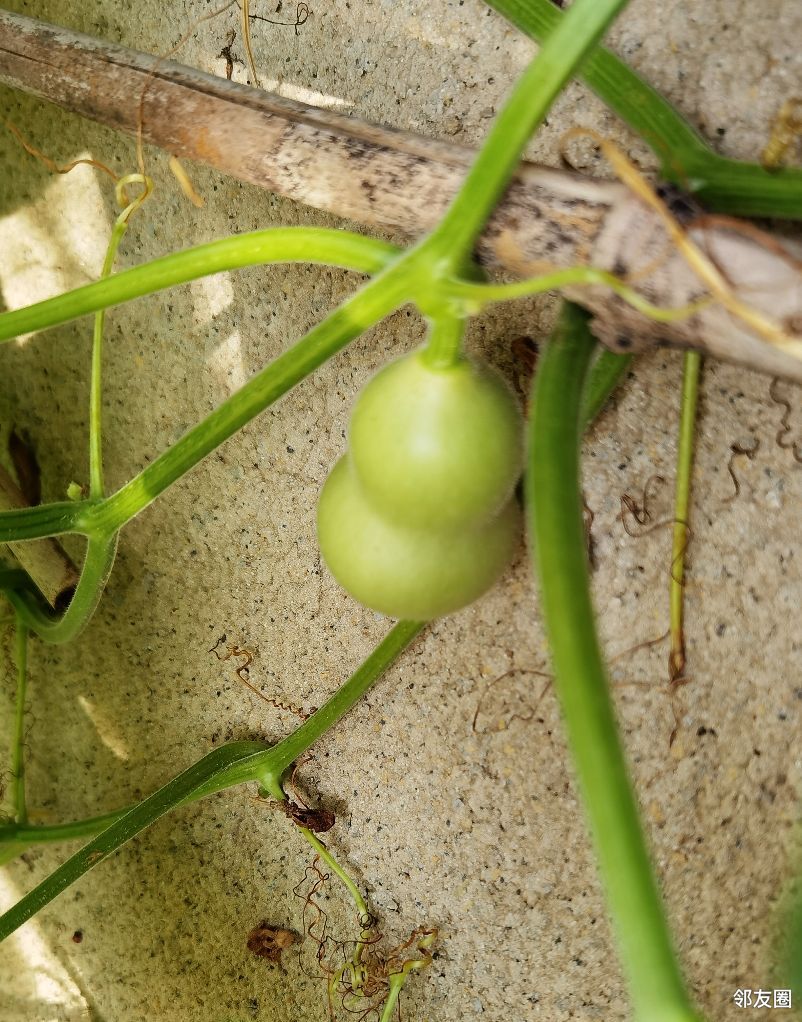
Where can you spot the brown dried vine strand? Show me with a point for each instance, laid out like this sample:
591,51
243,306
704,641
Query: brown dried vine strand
640,511
669,690
784,403
515,716
290,782
302,13
52,166
319,879
140,118
630,505
739,450
794,446
394,960
227,55
646,644
242,672
715,283
373,982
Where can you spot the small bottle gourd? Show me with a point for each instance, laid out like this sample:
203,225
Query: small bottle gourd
418,519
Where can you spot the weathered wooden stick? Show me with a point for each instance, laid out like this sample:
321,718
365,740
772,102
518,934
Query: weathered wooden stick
44,560
387,178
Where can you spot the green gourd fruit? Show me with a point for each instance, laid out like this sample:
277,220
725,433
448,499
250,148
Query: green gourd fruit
408,571
437,447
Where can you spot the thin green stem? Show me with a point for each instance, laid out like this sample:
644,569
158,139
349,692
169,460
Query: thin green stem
398,979
236,763
54,833
354,893
691,371
396,985
96,408
276,245
396,640
478,295
724,185
444,343
535,91
367,307
557,535
98,562
18,740
95,391
43,520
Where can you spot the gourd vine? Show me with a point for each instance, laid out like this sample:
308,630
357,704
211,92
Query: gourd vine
421,515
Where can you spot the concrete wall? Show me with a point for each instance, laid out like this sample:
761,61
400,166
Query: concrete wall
477,833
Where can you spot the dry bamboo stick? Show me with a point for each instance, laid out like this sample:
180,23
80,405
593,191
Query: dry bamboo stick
44,560
387,178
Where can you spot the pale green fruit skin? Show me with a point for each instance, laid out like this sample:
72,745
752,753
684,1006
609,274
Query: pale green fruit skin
437,447
417,574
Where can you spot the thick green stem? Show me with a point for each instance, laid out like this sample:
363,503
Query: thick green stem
369,305
275,245
603,377
724,185
233,764
535,91
557,535
444,343
396,640
691,370
40,521
98,562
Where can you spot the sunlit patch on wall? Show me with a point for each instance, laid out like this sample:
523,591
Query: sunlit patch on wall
106,728
42,988
57,242
211,297
227,361
311,96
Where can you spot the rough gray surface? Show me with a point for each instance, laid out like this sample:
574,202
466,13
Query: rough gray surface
477,833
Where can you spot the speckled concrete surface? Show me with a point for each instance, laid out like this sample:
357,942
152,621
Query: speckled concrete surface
475,831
